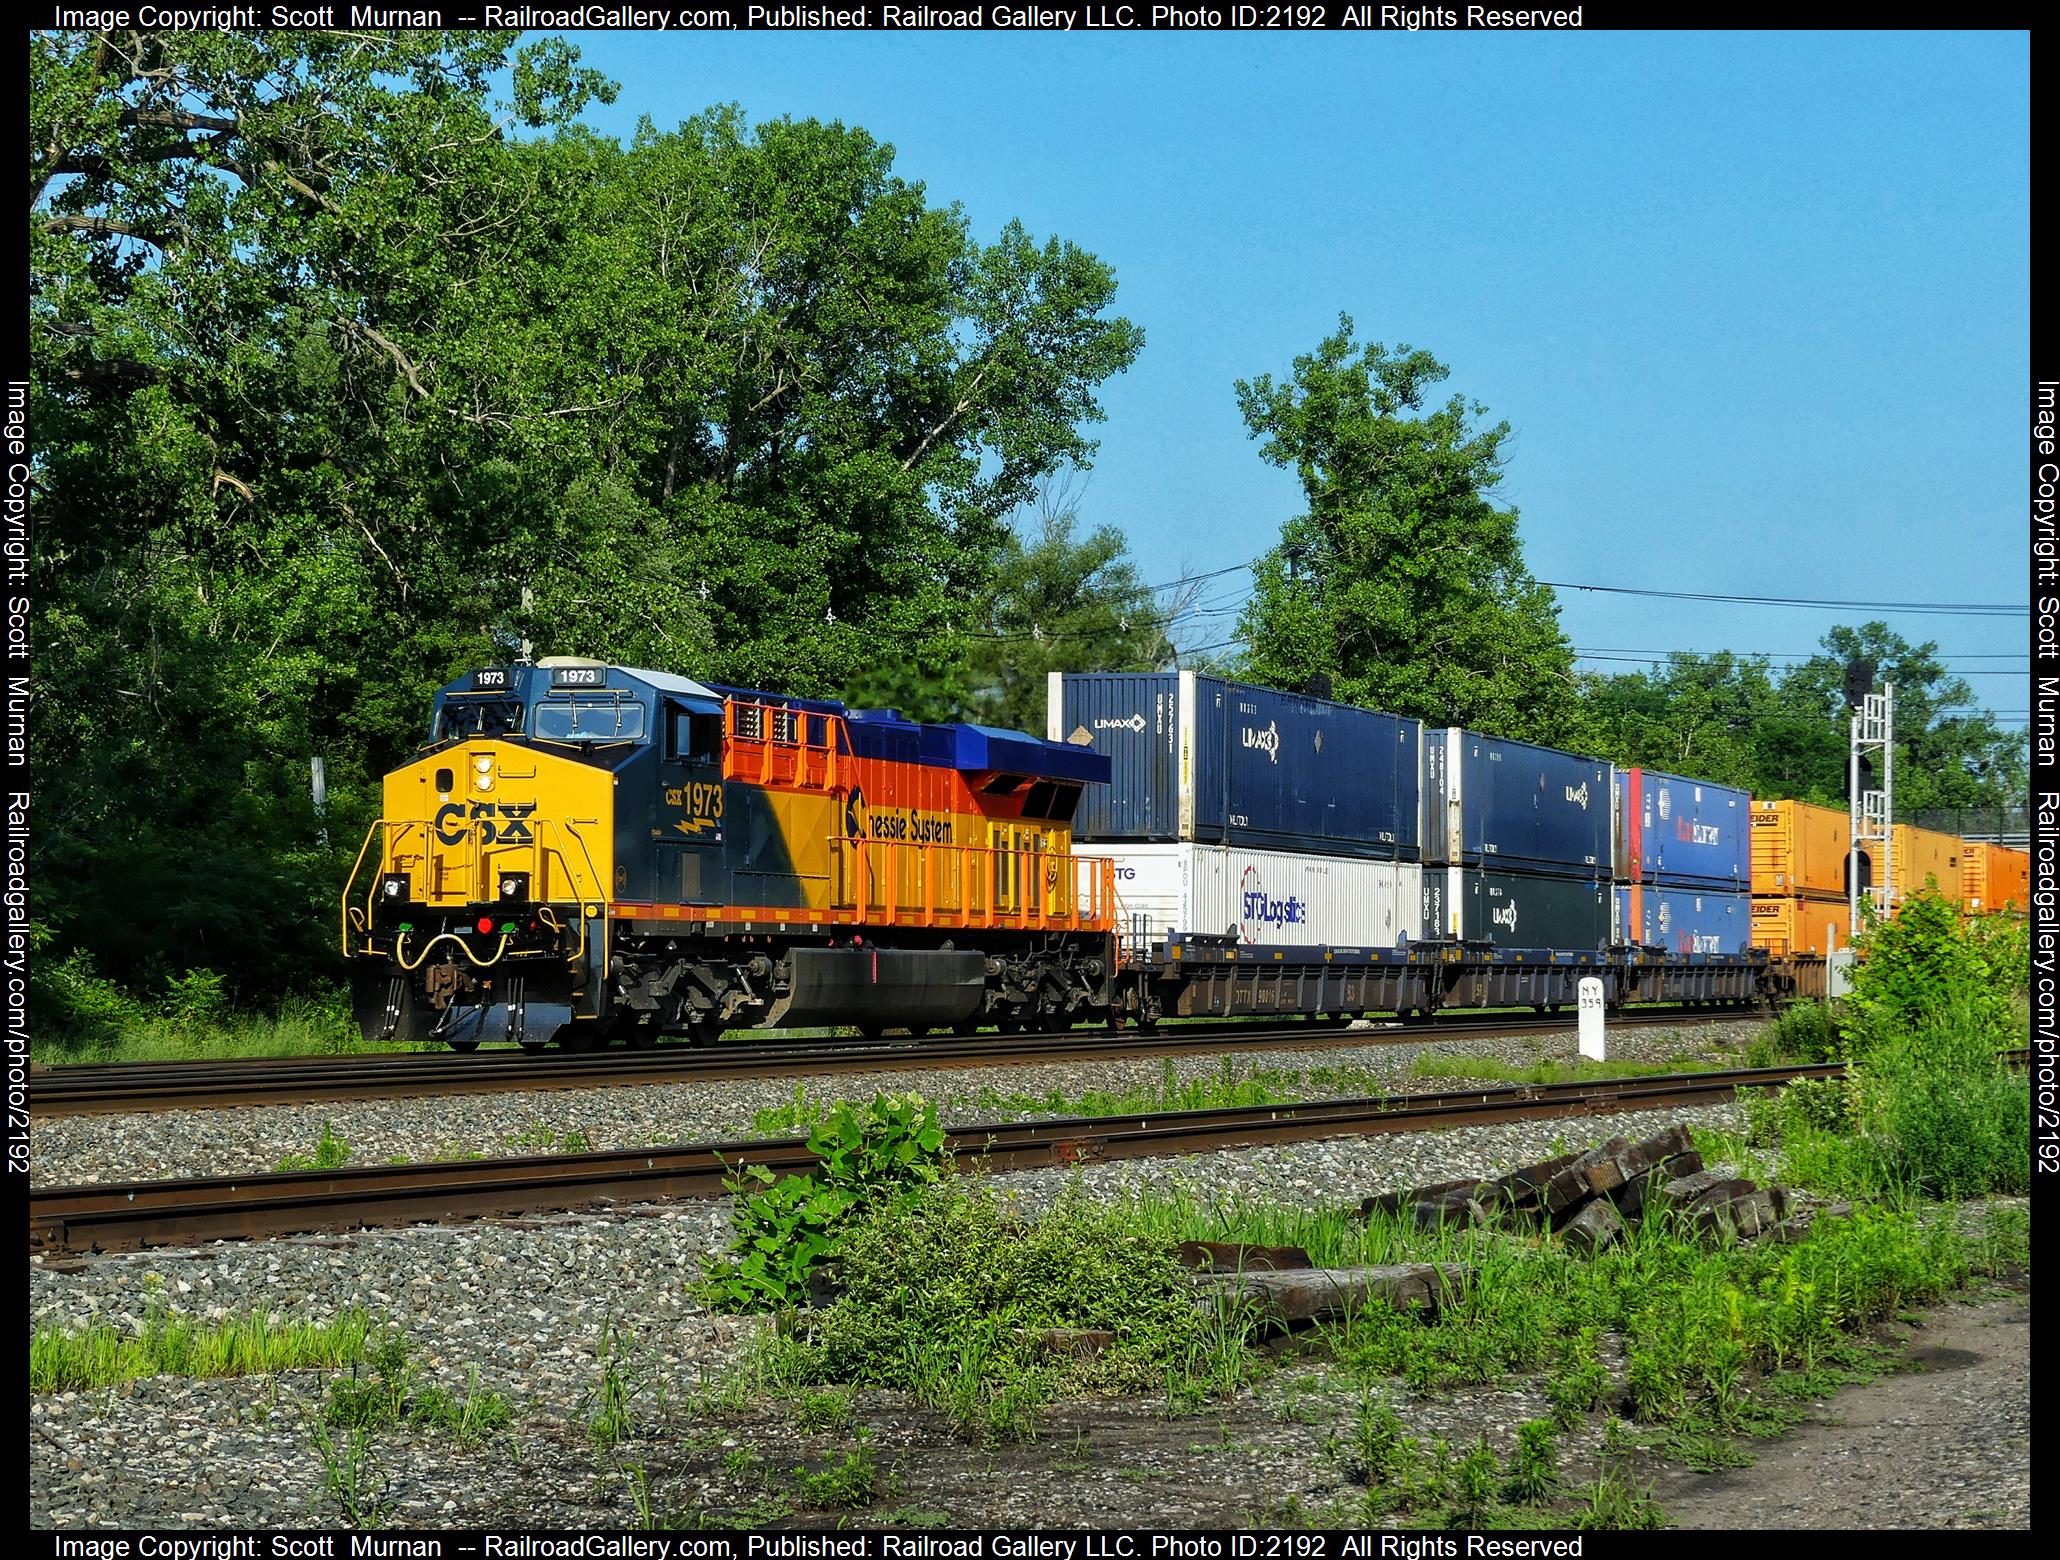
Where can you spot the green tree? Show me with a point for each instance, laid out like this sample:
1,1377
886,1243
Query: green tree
340,389
1404,583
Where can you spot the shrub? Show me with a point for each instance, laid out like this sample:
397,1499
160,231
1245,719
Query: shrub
1918,964
1944,1115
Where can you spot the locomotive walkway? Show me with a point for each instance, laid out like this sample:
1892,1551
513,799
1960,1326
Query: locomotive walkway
136,1087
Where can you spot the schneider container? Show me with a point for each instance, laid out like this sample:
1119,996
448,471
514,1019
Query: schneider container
1924,855
1799,848
1683,920
1527,809
1678,831
1516,909
1794,923
1262,897
1202,760
1995,877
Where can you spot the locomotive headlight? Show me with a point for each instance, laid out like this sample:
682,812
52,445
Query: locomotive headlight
514,885
483,773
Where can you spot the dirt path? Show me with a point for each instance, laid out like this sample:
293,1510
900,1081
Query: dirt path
1943,1443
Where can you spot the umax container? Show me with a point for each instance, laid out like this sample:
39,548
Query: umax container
1516,909
1204,760
1524,808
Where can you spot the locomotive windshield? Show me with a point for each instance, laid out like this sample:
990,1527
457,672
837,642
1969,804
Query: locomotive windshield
478,718
590,720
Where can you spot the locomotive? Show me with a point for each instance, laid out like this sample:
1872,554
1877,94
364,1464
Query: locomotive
585,852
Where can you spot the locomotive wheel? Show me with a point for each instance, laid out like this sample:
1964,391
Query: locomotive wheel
639,1037
464,1047
576,1038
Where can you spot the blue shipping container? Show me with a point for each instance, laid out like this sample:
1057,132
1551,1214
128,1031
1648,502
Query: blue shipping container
1684,920
1673,830
1201,759
1529,809
1516,909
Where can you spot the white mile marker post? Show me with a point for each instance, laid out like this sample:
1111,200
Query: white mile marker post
1592,1044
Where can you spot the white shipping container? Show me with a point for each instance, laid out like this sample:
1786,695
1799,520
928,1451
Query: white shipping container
1266,898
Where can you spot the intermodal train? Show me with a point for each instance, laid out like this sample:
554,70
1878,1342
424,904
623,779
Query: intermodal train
585,852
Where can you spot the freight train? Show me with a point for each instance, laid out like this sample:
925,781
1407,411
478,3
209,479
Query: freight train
586,852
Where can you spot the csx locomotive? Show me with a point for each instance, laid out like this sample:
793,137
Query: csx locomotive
586,852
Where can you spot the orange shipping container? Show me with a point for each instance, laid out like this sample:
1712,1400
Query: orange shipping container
1922,854
1794,924
1995,877
1798,848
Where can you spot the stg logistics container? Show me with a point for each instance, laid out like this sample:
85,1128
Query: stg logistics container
1995,877
1516,909
1683,920
1795,923
1798,848
1679,831
1204,760
1924,856
1262,897
1526,809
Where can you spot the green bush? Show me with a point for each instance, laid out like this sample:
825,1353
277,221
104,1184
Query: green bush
1942,1114
787,1227
1803,1032
1918,964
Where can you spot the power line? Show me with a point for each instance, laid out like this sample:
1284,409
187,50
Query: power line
1942,608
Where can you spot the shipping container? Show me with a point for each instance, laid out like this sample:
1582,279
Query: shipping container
1798,848
1516,909
1679,831
1509,804
1924,856
1683,920
1995,877
1262,897
1795,923
1213,762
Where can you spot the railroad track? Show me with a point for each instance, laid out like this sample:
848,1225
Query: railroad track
158,1213
138,1087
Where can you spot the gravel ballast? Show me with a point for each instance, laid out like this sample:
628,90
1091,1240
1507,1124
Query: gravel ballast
529,1305
75,1150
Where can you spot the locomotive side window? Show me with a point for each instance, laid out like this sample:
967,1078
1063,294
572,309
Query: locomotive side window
481,718
693,737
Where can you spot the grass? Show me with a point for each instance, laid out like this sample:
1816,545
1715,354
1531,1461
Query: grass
301,1027
1549,1070
74,1360
386,1389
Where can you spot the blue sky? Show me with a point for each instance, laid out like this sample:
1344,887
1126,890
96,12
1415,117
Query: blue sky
1755,305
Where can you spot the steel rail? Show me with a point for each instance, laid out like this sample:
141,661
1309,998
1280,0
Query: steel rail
138,1087
134,1215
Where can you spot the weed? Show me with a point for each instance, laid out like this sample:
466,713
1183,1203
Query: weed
330,1153
1533,1473
1611,1503
392,1392
613,1420
1474,1480
351,1475
846,1484
542,1139
824,1411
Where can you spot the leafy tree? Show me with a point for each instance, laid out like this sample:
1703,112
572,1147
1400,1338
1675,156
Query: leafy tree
1404,583
340,389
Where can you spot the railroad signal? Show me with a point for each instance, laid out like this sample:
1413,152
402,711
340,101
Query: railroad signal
1859,682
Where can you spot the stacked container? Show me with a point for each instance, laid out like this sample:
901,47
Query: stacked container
1995,877
1924,856
1798,856
1516,842
1281,819
1683,864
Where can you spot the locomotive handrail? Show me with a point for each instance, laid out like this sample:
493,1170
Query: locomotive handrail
769,746
870,873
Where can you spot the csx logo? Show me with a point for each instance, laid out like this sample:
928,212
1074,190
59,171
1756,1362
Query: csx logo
1132,723
506,824
1580,796
1267,741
